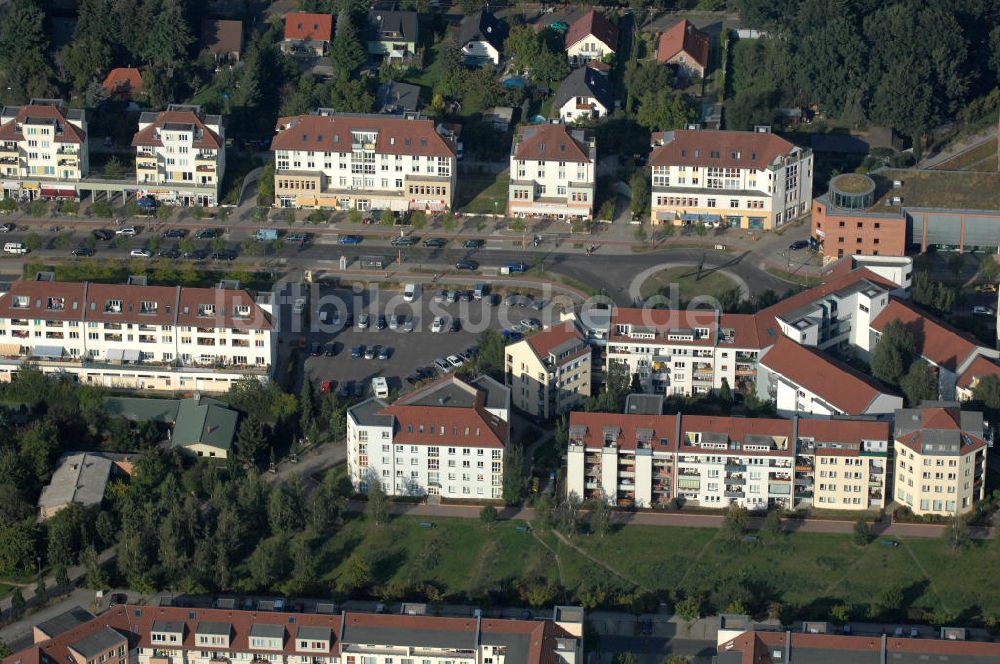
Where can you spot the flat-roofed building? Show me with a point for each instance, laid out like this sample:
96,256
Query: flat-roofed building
348,161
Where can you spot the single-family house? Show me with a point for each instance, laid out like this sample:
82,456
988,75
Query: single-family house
585,94
591,37
122,83
307,35
392,33
395,98
223,38
686,47
481,36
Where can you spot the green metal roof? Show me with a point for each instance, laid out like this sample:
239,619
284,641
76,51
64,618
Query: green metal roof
204,421
140,409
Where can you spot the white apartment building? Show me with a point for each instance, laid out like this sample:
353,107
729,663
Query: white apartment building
145,634
446,439
684,352
549,372
751,180
649,460
180,156
136,336
349,161
552,173
43,150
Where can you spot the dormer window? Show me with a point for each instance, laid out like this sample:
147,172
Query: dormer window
56,304
113,307
241,311
206,310
148,307
21,302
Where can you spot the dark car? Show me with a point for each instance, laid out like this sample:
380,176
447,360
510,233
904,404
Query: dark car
358,351
330,349
207,234
316,349
349,319
170,253
413,379
175,233
474,244
224,255
346,389
381,323
466,265
358,389
83,251
798,244
516,268
425,373
456,325
349,239
383,353
102,234
404,241
197,254
435,242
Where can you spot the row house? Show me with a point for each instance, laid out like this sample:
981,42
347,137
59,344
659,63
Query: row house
143,634
43,149
350,161
553,173
180,156
549,373
751,180
940,458
134,335
446,439
684,352
650,460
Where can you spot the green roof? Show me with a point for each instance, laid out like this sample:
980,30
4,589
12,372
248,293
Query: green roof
140,409
204,421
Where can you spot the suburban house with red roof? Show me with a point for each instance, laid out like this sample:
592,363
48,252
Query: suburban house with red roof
180,155
553,173
548,372
747,179
43,149
940,453
307,35
135,336
651,460
686,47
122,83
800,379
445,439
141,634
591,37
349,161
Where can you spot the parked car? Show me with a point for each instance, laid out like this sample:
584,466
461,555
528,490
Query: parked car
349,239
442,365
456,325
316,349
301,238
407,241
330,349
474,244
370,352
383,353
798,244
346,389
437,325
102,234
173,254
435,242
7,228
981,310
364,320
380,324
452,297
83,251
440,296
516,268
328,386
128,231
466,265
207,234
141,253
531,323
224,255
454,360
407,325
394,321
175,233
358,351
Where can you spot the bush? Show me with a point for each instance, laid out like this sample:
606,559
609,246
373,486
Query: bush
862,533
164,212
38,208
8,205
318,217
69,207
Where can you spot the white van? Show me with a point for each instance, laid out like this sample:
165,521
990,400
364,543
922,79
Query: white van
380,387
409,292
14,248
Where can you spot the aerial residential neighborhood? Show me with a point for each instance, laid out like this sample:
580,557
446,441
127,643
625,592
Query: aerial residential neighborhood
341,332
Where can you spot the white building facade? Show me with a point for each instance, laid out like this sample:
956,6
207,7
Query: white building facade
43,149
362,162
552,173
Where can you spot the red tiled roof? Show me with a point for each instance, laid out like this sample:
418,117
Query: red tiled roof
683,37
70,133
980,368
123,81
549,142
842,431
937,417
848,390
691,147
308,27
593,23
664,321
935,341
147,136
543,342
664,428
332,133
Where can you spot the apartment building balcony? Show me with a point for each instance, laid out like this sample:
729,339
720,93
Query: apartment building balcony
205,168
736,480
803,465
875,480
689,472
9,161
592,485
147,339
875,469
206,156
145,152
734,493
19,334
745,370
735,467
780,477
69,162
203,341
780,489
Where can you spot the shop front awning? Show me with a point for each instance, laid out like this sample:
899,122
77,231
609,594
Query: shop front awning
123,355
688,483
10,349
49,192
48,352
665,215
695,217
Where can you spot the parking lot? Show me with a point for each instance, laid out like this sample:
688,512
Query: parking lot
407,351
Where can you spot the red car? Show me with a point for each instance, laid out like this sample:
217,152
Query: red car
328,386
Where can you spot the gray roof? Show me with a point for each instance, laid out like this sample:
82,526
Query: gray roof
214,628
366,413
310,633
401,23
79,478
518,645
168,626
267,631
138,408
204,421
412,637
497,394
451,392
584,82
644,404
394,97
97,643
65,621
482,26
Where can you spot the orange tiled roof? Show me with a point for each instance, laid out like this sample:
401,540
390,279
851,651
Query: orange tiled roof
683,37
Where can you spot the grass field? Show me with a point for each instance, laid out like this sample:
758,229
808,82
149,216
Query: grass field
981,158
804,573
482,194
711,283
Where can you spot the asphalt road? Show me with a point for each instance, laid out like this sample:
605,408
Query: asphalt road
607,270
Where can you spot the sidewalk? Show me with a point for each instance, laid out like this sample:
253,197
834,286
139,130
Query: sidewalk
75,574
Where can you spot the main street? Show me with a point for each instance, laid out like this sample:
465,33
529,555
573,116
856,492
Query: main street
609,269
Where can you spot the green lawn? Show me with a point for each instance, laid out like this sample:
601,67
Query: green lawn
981,158
806,573
711,283
483,194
